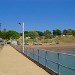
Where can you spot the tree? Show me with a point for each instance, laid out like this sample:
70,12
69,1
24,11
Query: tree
33,34
64,32
3,34
73,31
40,33
12,34
47,34
68,32
26,33
56,32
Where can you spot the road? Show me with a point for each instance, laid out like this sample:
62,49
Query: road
14,63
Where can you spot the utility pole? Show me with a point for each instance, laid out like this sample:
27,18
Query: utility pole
0,27
23,37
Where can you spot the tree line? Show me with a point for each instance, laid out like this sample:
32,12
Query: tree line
49,34
11,34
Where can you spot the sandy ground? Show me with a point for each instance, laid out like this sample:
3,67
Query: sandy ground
14,63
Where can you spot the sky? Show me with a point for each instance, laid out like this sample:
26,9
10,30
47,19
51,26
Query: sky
39,15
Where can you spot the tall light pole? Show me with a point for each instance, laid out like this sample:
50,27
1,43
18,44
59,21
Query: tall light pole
22,36
0,27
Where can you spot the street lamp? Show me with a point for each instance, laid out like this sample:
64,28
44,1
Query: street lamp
0,27
22,36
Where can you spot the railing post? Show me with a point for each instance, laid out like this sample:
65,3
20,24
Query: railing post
21,49
45,58
26,51
33,53
38,56
58,63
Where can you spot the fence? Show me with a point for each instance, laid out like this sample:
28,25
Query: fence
60,63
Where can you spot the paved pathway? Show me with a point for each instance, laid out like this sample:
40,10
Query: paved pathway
14,63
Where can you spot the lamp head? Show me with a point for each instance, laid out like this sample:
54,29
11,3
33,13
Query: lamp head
19,23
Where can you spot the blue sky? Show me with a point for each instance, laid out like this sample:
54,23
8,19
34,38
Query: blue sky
37,14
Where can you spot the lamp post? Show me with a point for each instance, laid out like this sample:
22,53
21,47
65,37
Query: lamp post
0,27
22,36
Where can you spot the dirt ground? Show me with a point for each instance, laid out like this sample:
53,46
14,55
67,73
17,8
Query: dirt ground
58,47
14,63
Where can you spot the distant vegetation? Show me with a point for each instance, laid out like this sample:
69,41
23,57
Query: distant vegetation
9,34
48,34
44,37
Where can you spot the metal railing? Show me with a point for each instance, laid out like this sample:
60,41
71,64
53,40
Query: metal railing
61,63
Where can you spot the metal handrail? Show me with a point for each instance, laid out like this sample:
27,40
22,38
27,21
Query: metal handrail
58,62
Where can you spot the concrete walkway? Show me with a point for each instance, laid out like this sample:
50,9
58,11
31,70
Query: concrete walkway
14,63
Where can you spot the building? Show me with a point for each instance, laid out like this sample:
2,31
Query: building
14,42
